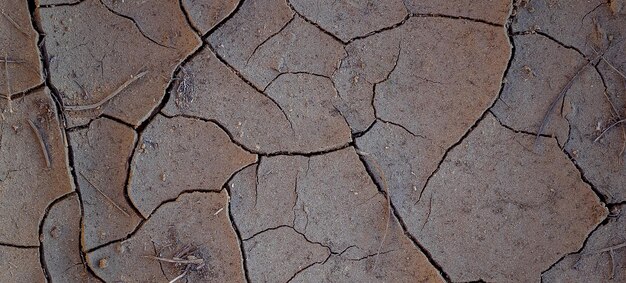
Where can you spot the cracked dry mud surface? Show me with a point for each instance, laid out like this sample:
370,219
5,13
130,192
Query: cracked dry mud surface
312,141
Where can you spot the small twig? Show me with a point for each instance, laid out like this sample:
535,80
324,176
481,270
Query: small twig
104,195
608,128
18,27
109,97
177,260
44,149
218,211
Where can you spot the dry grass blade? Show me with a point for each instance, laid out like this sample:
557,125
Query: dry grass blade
42,145
18,27
611,248
178,260
546,117
109,97
555,102
613,67
104,195
609,128
11,61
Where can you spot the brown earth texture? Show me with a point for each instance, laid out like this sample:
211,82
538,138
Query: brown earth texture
312,141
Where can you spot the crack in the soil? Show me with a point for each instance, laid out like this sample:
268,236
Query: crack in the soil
314,24
393,209
238,74
21,94
262,153
293,16
484,114
434,15
81,248
553,39
143,221
60,4
403,128
69,159
188,18
530,133
454,145
375,84
405,230
42,259
244,263
136,25
400,23
604,222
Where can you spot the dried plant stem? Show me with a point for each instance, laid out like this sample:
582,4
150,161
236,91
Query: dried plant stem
104,195
109,97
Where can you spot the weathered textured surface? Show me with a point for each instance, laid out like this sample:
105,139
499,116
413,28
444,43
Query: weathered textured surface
276,255
350,19
330,200
360,140
406,162
491,11
426,84
181,154
533,82
20,265
587,26
601,260
27,184
537,202
161,21
97,53
397,260
20,63
255,23
296,114
299,47
307,102
368,62
60,238
198,221
206,14
589,113
409,72
101,163
264,197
